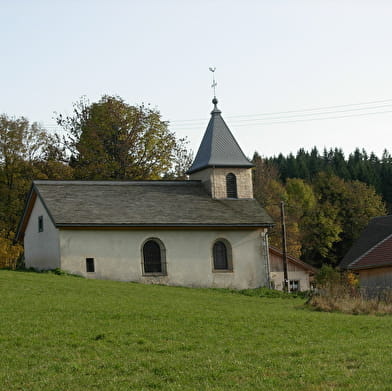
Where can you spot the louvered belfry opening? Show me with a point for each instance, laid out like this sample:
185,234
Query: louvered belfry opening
220,256
231,186
152,257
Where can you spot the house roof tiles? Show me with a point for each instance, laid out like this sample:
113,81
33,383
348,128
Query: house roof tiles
372,237
378,256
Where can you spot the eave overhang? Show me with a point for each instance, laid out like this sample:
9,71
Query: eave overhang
192,171
293,260
369,266
162,226
29,205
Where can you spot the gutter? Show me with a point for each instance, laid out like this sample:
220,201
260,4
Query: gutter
159,226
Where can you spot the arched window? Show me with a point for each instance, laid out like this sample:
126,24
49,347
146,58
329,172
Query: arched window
154,257
221,253
231,186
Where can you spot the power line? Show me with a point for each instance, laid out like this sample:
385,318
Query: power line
297,120
313,114
293,111
326,118
315,108
279,119
289,119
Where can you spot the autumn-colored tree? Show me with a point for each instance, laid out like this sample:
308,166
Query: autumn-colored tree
9,251
363,203
15,135
343,209
269,191
24,156
182,159
321,234
111,139
298,197
323,218
20,145
301,203
53,160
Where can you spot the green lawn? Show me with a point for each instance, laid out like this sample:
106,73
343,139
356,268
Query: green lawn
67,333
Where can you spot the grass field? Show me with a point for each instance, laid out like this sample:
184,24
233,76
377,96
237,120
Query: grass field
67,333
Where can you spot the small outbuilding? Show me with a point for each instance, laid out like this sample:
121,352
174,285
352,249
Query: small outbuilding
300,274
207,231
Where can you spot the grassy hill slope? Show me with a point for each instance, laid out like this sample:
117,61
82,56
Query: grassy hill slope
67,333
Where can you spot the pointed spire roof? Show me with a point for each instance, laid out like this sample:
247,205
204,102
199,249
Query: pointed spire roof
218,148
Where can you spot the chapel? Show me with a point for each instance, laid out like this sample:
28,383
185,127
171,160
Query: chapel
207,231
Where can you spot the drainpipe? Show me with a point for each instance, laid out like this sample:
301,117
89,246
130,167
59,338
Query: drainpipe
264,236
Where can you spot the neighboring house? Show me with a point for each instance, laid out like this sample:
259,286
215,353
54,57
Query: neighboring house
371,255
300,274
205,232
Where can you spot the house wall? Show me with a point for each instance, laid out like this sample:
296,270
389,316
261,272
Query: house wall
376,279
214,179
41,248
118,256
295,272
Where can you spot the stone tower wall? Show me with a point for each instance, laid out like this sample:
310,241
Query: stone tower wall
214,179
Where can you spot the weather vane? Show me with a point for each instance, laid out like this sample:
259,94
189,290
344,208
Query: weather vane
214,83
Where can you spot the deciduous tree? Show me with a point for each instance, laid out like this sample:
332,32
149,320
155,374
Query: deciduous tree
22,148
20,145
111,139
344,209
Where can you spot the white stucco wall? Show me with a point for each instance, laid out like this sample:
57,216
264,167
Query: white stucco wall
41,248
117,255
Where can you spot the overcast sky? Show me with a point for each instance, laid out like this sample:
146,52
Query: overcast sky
291,74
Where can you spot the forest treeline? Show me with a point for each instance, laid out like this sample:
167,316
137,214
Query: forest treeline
359,165
329,199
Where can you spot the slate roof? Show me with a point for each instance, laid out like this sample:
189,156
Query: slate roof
218,147
376,231
142,204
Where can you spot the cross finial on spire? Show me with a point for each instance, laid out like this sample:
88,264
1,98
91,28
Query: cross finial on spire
214,83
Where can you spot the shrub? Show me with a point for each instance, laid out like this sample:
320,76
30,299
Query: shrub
272,293
341,292
9,252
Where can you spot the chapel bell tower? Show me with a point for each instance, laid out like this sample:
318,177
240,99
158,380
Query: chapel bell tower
220,163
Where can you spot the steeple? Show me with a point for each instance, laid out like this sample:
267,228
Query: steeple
218,147
220,163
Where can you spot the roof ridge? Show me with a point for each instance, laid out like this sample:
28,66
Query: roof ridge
116,183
